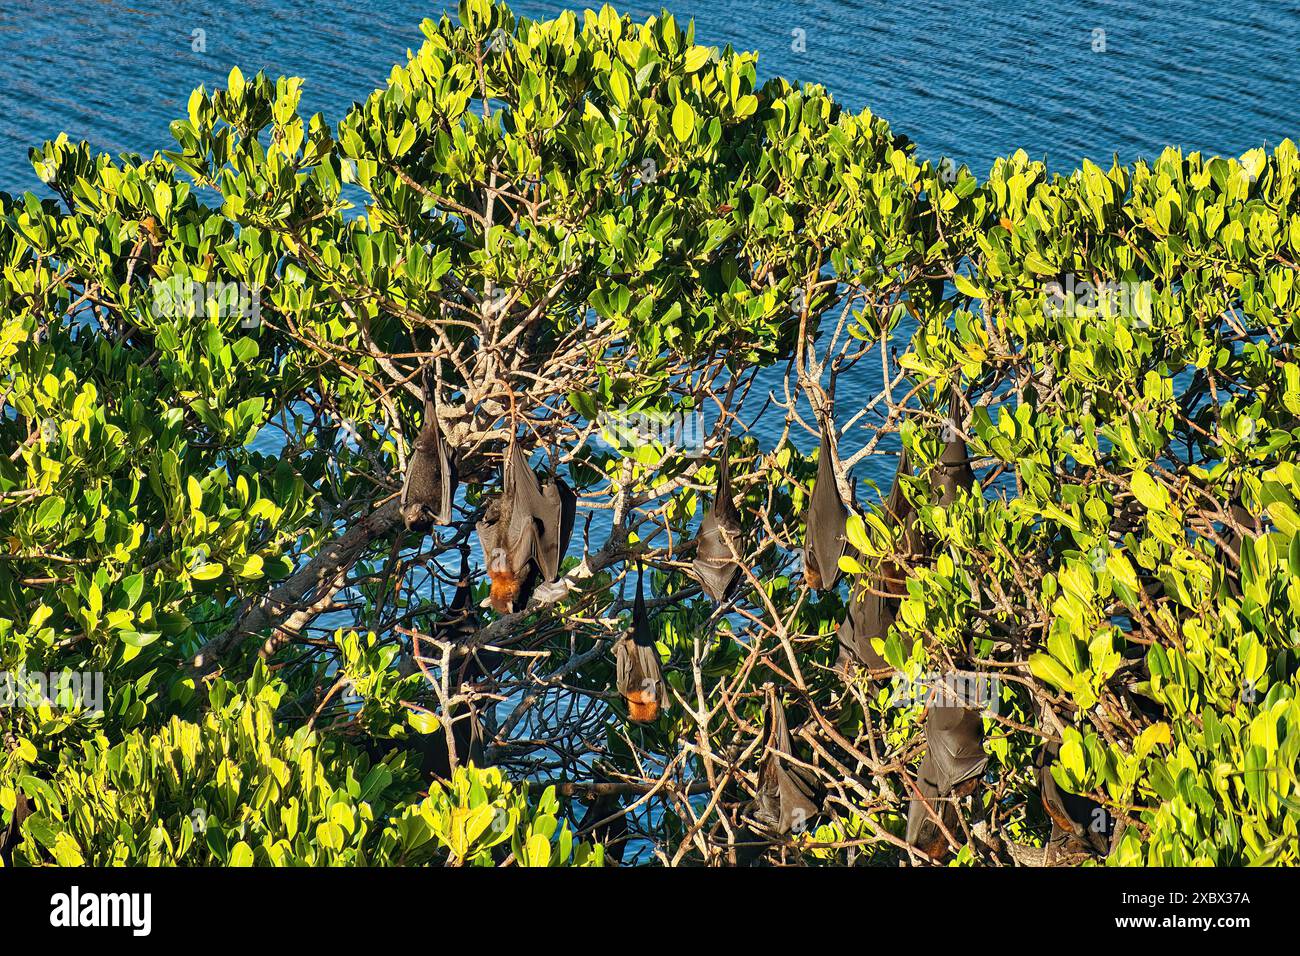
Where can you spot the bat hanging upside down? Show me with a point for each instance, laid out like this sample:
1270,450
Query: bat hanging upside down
637,673
953,763
525,532
718,544
953,472
787,797
430,484
1078,822
871,615
824,532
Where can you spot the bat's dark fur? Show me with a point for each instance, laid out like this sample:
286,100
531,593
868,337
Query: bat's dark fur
870,615
637,672
787,795
953,763
718,544
953,472
430,484
11,835
824,537
524,533
1077,821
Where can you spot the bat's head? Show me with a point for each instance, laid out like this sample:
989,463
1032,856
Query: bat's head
413,514
426,443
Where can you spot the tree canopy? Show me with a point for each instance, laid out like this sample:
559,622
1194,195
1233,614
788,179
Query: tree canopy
611,250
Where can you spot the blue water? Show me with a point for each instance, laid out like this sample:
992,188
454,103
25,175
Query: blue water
970,80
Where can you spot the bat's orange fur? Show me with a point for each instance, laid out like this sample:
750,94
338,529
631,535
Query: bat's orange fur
813,577
642,706
1058,817
505,585
936,849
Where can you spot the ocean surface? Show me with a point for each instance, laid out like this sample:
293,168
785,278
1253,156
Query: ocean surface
969,80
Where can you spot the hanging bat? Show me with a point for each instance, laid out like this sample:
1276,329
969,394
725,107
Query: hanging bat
1234,539
787,794
718,544
824,535
954,738
468,733
460,621
871,615
637,673
525,532
430,485
1240,516
953,763
953,471
1078,822
923,830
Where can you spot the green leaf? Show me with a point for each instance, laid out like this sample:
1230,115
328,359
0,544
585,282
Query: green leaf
683,120
422,722
1049,669
49,512
1153,496
968,287
208,572
696,57
241,855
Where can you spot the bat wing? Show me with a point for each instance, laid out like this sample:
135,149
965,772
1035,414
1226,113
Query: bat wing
786,796
715,564
869,617
422,489
429,488
900,511
1082,817
923,831
508,536
605,822
449,478
954,739
527,509
638,674
440,452
639,678
493,529
460,601
11,835
555,527
718,544
459,621
640,618
824,535
541,520
637,667
953,472
785,799
467,732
